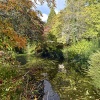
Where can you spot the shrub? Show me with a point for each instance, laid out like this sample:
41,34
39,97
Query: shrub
50,50
94,69
78,54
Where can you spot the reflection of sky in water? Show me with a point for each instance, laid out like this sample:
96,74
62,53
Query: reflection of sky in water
49,93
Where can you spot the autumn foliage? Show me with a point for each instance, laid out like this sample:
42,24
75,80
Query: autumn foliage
18,22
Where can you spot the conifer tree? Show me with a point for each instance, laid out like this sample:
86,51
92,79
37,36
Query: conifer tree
51,16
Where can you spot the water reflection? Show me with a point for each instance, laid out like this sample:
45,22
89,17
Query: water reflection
49,93
65,81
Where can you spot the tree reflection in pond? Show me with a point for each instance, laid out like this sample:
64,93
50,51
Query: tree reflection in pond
74,87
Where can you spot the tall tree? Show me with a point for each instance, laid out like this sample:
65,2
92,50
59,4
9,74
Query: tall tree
19,20
49,23
51,16
74,24
57,26
82,18
92,21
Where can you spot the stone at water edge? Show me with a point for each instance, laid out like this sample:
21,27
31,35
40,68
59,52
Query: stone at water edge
61,68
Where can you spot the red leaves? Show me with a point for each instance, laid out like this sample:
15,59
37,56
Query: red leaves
47,29
1,81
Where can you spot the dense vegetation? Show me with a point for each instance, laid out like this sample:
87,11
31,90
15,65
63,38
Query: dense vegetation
30,47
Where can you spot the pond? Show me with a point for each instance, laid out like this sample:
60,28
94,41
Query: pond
63,83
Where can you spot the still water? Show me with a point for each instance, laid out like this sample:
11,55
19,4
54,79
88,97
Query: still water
49,93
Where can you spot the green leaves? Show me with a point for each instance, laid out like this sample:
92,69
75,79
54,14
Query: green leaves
49,50
92,21
94,69
51,16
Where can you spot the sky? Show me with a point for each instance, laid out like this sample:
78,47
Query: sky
60,4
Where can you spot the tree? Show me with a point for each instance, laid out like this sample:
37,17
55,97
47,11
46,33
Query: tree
92,21
94,69
80,20
57,26
49,24
51,16
50,3
30,26
9,37
73,19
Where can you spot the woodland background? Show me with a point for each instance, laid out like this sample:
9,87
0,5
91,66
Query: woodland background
29,47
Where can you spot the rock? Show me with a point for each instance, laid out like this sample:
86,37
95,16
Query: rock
61,68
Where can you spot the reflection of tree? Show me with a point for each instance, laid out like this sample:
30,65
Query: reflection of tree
73,86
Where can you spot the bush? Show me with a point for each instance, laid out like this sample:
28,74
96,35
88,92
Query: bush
50,50
78,54
94,69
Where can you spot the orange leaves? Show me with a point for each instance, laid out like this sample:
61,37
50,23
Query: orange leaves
15,39
5,6
20,41
11,37
18,19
